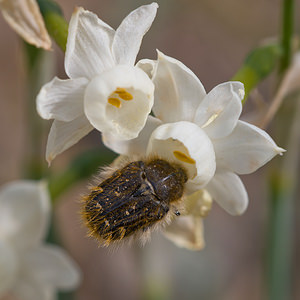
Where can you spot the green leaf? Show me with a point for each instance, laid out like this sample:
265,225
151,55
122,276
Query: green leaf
55,23
258,64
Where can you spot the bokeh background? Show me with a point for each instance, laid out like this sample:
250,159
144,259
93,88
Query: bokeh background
211,37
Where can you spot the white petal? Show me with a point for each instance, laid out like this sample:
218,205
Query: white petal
52,266
189,140
198,203
63,135
125,118
88,51
147,65
62,99
24,212
137,146
178,91
128,36
8,268
246,149
28,289
220,110
186,232
229,192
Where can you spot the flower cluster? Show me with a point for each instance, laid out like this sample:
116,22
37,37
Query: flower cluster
198,130
29,268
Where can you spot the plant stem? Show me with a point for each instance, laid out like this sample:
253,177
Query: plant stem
37,71
280,238
283,190
286,34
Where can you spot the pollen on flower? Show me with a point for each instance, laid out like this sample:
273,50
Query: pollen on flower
115,102
123,94
116,97
183,157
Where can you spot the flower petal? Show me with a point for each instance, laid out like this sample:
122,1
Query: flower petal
187,144
8,268
229,192
26,19
119,101
62,99
186,232
147,65
246,149
88,51
24,212
198,203
137,146
27,288
178,91
63,135
128,36
220,110
52,266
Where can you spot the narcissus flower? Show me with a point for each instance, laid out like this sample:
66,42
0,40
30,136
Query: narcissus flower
201,131
105,90
29,268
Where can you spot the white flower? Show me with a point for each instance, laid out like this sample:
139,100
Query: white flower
105,90
25,18
30,269
202,131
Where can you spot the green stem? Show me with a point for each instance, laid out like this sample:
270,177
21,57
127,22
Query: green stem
286,35
283,194
34,161
279,241
279,252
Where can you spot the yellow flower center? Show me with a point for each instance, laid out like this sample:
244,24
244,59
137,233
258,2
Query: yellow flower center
123,94
115,102
118,95
183,157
